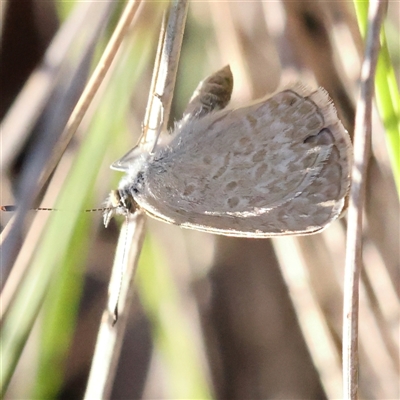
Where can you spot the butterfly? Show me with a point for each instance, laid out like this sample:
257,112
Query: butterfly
278,166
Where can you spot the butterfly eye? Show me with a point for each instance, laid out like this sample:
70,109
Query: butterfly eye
127,202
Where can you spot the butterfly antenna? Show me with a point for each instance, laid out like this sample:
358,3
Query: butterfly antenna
11,208
99,209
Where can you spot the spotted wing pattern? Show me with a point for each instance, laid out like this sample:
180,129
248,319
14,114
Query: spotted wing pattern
279,166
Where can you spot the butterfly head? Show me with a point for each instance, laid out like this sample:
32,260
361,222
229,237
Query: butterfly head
119,202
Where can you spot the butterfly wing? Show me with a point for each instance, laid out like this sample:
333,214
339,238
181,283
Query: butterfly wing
277,167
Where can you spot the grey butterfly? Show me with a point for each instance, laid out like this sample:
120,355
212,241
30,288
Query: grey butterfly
279,166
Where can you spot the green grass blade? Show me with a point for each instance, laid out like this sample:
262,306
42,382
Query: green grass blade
171,330
108,123
53,253
386,92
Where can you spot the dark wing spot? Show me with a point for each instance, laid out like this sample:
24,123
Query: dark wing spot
233,202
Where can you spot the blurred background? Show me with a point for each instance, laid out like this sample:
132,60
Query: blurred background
213,317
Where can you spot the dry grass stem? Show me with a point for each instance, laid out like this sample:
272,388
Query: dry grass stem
164,75
56,59
25,111
91,87
362,142
109,339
